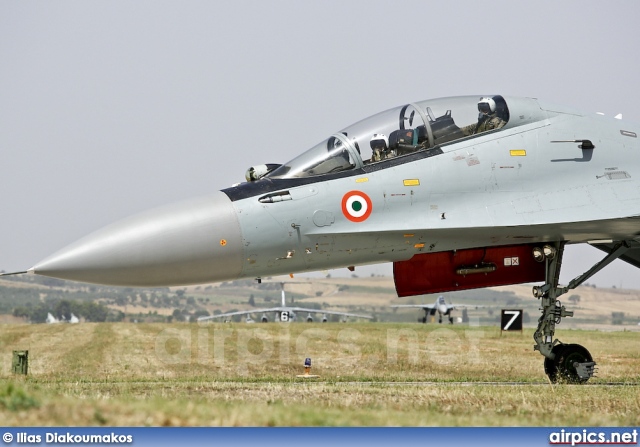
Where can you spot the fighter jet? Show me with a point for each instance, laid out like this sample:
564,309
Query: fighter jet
51,319
440,306
284,313
457,193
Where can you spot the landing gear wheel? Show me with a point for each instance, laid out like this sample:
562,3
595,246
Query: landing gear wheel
550,367
563,367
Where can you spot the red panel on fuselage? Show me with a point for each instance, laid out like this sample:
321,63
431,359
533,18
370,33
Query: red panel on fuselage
436,272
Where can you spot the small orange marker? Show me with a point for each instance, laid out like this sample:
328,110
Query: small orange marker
307,370
223,242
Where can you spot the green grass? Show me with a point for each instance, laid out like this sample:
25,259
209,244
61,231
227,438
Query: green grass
242,375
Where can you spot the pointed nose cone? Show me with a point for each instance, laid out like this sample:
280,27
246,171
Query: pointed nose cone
190,242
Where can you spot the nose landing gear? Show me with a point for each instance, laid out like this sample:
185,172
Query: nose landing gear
563,362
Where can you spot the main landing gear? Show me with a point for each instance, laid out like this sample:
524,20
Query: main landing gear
426,316
569,363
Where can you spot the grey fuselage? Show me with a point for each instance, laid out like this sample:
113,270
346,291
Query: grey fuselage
440,192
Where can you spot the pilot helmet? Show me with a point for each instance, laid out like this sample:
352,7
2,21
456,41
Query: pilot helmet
486,105
379,141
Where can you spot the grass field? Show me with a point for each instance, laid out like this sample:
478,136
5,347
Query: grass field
245,375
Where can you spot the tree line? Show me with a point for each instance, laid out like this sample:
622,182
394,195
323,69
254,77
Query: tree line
62,310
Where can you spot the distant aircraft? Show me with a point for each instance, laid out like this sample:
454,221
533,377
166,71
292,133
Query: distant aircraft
440,306
457,193
284,313
51,319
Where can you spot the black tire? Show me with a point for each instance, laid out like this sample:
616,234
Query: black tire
550,367
561,368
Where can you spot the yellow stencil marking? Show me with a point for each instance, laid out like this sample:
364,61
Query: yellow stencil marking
411,182
418,246
518,152
362,179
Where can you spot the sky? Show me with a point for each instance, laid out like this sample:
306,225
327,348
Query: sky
109,108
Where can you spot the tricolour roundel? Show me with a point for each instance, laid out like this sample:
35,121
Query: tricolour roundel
356,206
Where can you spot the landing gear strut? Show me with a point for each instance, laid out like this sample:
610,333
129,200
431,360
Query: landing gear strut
563,362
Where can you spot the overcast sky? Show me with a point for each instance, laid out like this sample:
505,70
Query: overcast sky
108,108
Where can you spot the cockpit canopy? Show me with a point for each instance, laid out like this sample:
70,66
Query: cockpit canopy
397,132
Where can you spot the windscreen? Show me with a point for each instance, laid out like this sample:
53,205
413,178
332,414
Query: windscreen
398,132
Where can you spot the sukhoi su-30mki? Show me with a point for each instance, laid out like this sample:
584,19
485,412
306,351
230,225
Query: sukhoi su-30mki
457,193
440,307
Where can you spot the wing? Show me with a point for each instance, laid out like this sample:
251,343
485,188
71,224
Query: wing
421,306
327,312
243,312
463,306
283,309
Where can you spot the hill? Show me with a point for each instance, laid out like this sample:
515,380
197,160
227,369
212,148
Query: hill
29,298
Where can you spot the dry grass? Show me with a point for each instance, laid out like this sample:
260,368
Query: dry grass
238,374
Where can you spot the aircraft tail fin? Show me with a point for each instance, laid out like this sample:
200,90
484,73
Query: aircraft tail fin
283,300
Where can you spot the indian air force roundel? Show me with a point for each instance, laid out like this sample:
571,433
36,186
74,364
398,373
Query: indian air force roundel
356,206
